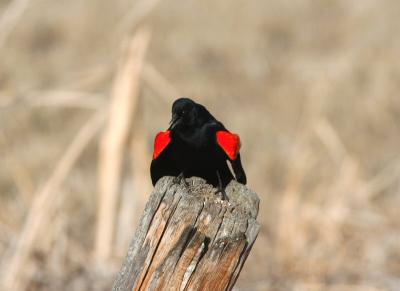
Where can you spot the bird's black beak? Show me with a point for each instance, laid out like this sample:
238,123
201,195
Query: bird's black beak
174,121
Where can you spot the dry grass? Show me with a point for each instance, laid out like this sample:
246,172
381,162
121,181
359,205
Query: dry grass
311,87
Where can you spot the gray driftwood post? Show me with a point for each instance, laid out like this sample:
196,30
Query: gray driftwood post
190,239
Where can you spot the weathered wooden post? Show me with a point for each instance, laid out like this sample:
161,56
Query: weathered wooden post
190,239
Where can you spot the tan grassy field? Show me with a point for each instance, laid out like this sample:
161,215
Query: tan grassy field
310,86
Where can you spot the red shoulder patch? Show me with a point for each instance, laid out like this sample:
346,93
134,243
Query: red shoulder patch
229,142
161,141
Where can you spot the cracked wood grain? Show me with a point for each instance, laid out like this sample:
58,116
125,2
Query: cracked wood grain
190,239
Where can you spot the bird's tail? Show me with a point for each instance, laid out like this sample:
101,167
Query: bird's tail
239,171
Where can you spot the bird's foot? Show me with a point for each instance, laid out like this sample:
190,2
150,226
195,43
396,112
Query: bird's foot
181,178
222,191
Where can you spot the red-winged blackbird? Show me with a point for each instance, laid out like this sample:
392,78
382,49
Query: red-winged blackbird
196,144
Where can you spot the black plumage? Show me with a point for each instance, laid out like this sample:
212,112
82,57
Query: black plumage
193,149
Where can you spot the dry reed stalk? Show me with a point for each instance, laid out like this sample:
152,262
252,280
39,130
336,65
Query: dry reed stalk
159,83
126,216
56,98
90,78
115,139
140,166
20,175
66,98
136,14
44,203
329,137
10,18
23,180
133,202
387,177
132,206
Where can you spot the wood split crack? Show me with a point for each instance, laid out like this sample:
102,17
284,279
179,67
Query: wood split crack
190,240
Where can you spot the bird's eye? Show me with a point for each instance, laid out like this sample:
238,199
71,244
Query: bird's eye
183,112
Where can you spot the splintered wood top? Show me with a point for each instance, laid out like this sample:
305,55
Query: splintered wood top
190,239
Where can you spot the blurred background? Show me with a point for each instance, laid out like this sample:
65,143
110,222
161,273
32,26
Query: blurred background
311,87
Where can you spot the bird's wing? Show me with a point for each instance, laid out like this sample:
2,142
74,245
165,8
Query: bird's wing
160,165
155,172
162,140
238,170
230,144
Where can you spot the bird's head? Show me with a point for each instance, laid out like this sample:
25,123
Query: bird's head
184,114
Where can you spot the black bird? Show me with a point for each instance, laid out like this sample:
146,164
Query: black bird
196,144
